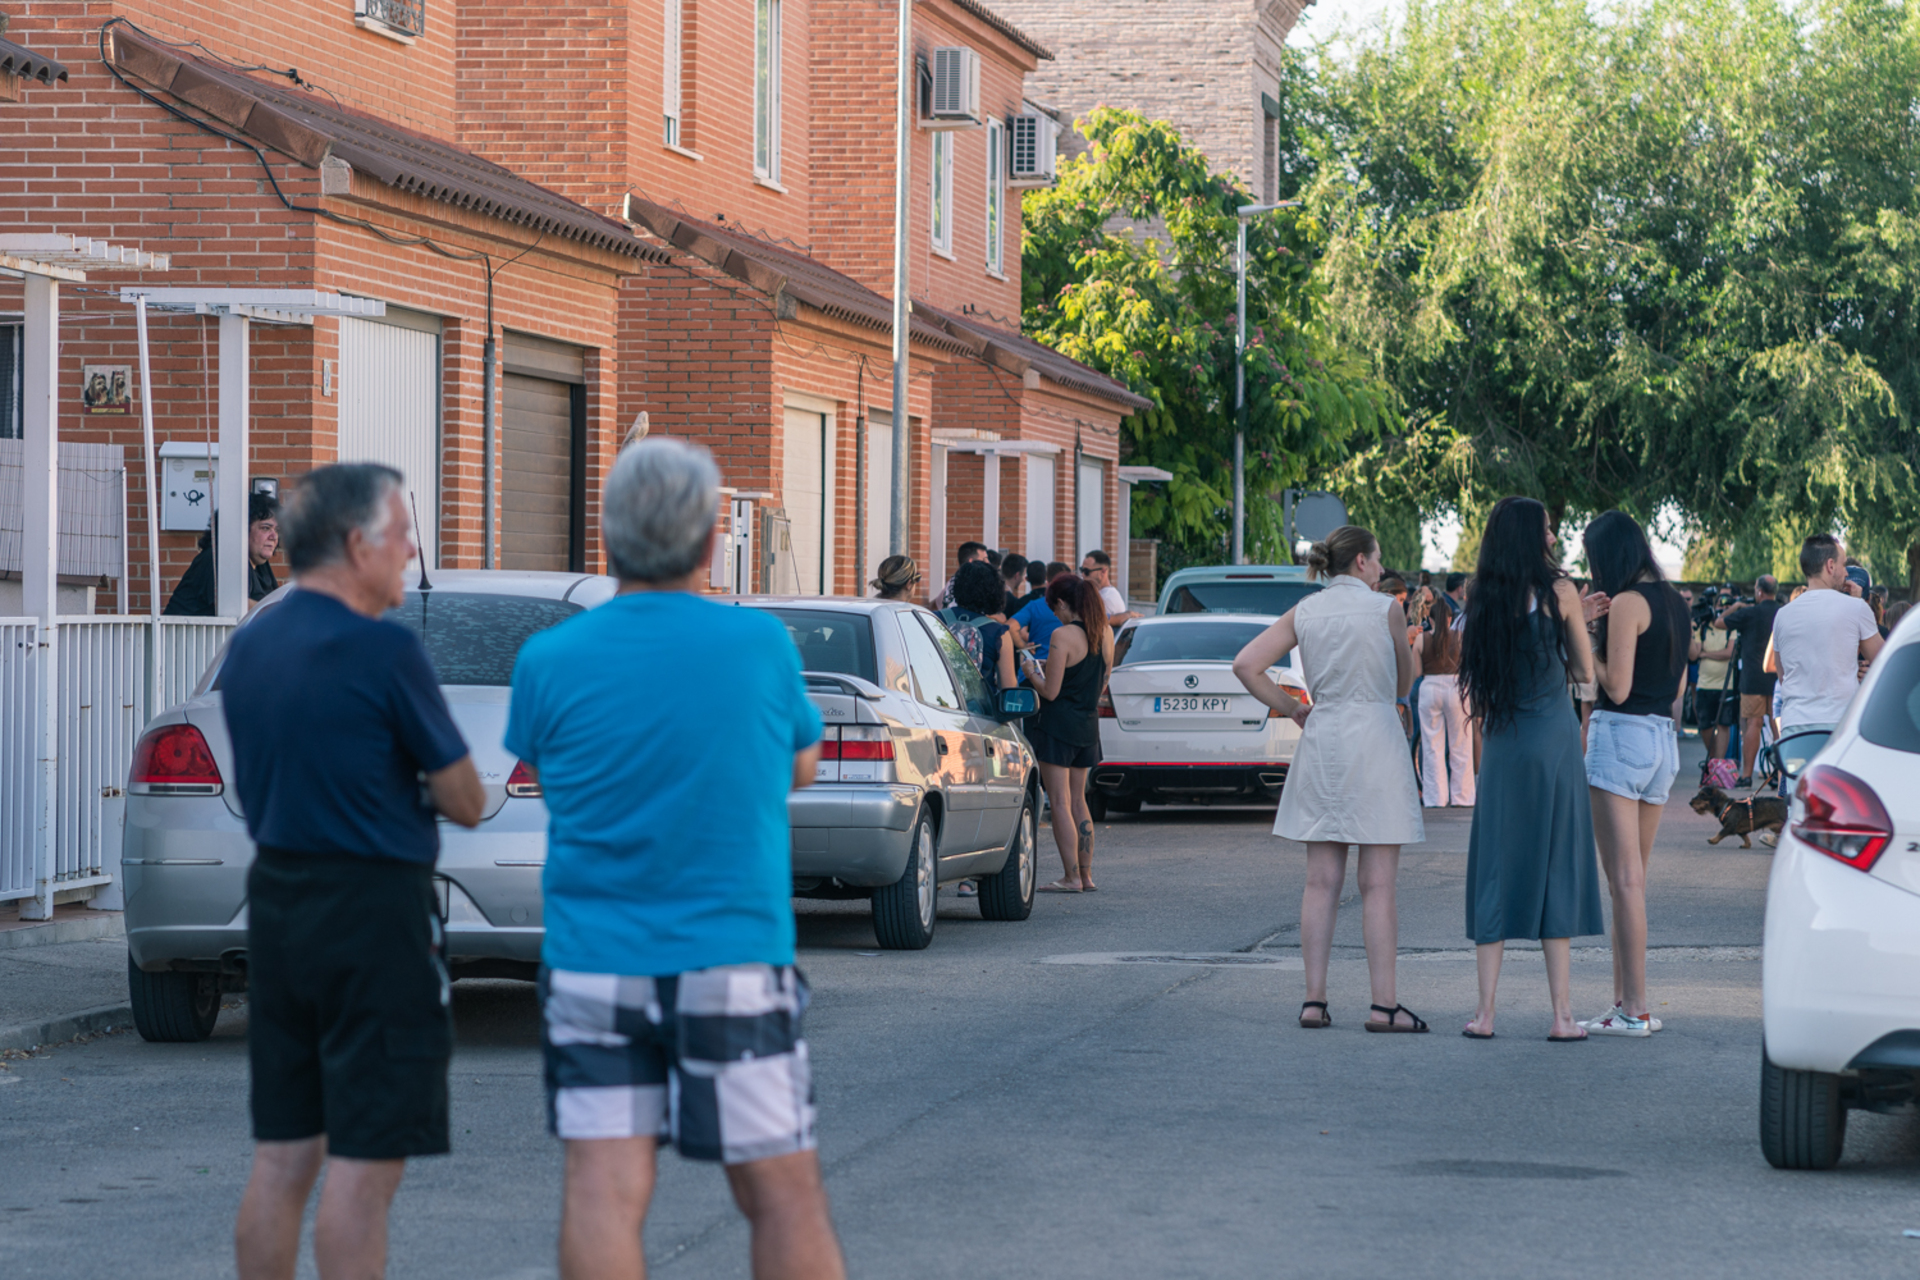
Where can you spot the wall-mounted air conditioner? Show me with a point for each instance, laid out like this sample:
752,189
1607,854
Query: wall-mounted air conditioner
1032,151
955,98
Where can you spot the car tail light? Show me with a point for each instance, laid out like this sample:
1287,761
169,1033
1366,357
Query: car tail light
523,783
1841,817
1300,695
857,742
1106,705
174,760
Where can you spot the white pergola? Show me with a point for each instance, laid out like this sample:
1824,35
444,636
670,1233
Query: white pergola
1129,477
236,310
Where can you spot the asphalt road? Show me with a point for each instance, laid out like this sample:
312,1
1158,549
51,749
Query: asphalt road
990,1110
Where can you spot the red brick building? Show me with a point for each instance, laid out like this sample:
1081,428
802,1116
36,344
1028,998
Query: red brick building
474,167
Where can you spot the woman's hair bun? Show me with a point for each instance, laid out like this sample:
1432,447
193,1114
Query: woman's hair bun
1319,559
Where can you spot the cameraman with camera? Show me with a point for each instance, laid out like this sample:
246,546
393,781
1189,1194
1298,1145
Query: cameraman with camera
1754,623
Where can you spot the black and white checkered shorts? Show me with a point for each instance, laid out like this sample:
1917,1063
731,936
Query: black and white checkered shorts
711,1060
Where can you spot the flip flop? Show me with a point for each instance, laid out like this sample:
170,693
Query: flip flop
1089,888
1056,887
1471,1034
1567,1039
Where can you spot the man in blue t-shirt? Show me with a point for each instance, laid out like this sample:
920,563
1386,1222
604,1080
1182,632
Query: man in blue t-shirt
667,731
335,717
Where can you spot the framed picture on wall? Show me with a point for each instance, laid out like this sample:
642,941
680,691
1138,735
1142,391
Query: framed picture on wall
106,389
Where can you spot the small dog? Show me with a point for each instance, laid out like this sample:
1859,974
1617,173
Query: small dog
1741,817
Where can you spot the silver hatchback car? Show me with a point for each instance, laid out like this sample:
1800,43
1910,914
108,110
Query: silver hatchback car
923,779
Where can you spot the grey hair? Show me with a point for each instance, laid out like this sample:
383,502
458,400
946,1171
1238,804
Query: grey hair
662,499
328,504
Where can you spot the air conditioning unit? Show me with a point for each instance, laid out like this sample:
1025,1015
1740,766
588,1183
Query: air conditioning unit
956,86
1032,151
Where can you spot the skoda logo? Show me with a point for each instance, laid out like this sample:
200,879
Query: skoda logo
1193,682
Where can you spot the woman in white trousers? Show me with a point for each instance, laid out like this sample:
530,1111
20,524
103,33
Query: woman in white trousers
1446,738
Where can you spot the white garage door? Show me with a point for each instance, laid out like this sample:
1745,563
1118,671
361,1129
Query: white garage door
1092,498
803,491
879,484
390,408
1040,544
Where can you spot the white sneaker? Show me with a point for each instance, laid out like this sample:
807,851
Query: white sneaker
1619,1023
1593,1022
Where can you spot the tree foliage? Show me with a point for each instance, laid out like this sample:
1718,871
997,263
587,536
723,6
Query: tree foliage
1128,264
1658,254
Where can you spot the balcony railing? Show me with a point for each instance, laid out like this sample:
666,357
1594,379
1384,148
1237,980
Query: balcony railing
402,17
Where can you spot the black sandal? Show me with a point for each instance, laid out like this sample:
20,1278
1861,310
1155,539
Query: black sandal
1392,1023
1326,1019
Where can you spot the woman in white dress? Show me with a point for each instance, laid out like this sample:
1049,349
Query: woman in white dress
1351,782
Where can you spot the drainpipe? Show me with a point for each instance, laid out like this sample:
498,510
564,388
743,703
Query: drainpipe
902,167
486,445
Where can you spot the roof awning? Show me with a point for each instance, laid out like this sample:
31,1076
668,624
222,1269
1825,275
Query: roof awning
274,306
312,129
18,60
1140,475
65,257
1018,353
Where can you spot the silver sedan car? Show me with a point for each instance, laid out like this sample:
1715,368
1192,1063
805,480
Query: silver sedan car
923,779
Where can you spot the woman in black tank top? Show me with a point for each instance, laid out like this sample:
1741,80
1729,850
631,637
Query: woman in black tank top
1065,735
1632,752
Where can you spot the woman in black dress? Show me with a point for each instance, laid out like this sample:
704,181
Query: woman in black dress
1530,859
1066,732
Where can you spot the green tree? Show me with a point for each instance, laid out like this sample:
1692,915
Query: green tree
1128,266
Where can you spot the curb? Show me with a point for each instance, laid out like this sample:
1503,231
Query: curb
32,1035
84,928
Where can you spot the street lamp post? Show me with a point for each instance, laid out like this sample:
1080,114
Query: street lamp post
1240,386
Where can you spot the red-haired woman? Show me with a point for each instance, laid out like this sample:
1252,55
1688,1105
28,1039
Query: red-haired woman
1066,733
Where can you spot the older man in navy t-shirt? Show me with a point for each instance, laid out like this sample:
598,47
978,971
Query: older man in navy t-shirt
667,732
334,715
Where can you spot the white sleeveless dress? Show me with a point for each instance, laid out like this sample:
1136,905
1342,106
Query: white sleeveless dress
1351,781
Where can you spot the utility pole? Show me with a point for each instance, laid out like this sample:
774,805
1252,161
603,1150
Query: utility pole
902,174
1240,386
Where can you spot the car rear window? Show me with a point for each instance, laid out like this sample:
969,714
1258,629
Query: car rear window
474,637
1239,597
1188,642
1891,717
841,643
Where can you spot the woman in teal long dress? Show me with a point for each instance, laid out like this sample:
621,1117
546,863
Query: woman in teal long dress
1532,872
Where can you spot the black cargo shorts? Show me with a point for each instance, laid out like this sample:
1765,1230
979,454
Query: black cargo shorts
349,1030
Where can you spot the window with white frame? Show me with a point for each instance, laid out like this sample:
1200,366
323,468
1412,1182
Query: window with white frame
996,192
672,45
766,89
943,192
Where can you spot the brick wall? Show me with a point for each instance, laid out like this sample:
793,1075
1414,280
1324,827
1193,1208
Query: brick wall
91,158
1202,64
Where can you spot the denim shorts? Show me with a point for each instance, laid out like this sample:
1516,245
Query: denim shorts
1632,756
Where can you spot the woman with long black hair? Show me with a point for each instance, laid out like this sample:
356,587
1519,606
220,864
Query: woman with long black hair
1646,640
1530,863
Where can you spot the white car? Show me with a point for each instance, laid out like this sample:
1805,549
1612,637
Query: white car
1177,727
1841,967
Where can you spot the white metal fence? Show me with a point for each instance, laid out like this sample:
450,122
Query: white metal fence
19,753
113,675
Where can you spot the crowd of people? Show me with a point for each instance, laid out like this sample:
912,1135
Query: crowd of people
1555,711
672,1009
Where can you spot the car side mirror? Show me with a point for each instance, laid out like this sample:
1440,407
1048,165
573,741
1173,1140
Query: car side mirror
1796,751
1016,704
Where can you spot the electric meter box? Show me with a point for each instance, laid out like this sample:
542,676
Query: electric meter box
187,478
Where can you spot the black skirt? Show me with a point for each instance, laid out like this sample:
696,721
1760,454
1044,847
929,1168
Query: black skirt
1048,749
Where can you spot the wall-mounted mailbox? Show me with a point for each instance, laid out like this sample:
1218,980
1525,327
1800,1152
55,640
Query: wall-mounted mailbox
186,485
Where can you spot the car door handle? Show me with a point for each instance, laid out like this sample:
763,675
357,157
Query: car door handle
940,743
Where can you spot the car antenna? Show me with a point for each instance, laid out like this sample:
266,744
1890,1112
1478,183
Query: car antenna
414,503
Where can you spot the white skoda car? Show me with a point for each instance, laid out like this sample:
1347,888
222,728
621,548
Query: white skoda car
1177,727
1841,968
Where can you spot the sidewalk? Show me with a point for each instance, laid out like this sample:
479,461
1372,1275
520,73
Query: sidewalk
62,977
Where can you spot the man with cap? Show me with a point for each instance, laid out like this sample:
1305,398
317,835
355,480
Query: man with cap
198,594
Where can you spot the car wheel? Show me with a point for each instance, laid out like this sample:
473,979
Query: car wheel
1123,804
1096,805
1803,1122
1009,894
173,1008
903,912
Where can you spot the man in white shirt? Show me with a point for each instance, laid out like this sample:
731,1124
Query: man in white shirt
1820,640
1097,568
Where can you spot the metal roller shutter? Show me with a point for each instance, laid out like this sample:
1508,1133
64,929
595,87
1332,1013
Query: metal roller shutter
542,455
